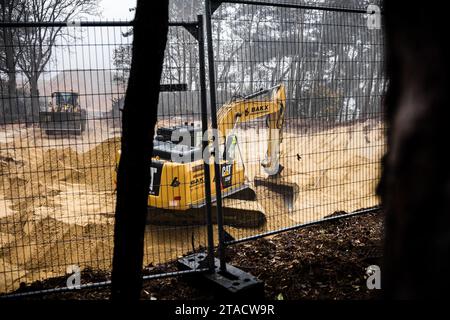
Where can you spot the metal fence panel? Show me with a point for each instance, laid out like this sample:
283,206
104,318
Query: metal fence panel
315,76
330,65
57,186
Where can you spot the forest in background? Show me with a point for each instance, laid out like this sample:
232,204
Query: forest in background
25,52
330,62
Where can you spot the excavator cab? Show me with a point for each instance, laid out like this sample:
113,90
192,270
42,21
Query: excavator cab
181,143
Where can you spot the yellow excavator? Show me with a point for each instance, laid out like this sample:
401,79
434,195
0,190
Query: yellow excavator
177,187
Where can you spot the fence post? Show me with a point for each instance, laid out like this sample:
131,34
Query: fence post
205,144
217,173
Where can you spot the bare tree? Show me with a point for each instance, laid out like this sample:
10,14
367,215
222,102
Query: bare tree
37,43
122,62
9,11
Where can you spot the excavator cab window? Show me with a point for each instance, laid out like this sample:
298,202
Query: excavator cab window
230,147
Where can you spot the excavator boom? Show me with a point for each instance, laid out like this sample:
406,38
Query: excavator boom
250,108
253,107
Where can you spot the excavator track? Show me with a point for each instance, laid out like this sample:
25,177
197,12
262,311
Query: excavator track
239,210
236,213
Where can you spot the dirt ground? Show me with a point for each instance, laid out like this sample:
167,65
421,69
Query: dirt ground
57,199
326,261
335,169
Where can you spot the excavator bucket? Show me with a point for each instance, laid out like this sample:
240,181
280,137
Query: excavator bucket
280,186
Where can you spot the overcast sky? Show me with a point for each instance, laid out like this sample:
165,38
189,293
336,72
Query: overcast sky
94,46
117,9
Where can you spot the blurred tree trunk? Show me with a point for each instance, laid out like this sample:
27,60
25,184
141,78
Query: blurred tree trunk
379,89
34,93
366,108
415,184
8,65
139,119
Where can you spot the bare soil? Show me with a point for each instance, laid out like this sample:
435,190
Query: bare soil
325,261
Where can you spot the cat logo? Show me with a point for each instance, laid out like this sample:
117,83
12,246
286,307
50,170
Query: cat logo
226,170
227,174
257,109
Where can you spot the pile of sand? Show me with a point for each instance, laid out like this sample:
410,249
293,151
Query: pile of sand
58,207
99,164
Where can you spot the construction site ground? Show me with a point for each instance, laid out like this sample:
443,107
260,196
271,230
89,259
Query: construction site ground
325,261
57,200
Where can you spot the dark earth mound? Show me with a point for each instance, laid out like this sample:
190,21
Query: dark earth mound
325,261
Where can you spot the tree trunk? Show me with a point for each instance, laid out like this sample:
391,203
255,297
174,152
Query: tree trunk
415,182
138,122
317,74
10,60
34,92
366,108
11,101
10,65
376,102
348,85
290,89
300,81
333,116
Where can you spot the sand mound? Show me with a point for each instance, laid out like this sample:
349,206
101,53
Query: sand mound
100,163
50,244
56,214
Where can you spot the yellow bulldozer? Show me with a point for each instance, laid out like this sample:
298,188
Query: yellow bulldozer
177,187
63,115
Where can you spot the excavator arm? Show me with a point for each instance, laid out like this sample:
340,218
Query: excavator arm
250,108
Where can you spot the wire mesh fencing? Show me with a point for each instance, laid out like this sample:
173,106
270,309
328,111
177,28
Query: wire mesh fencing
304,85
60,129
295,96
